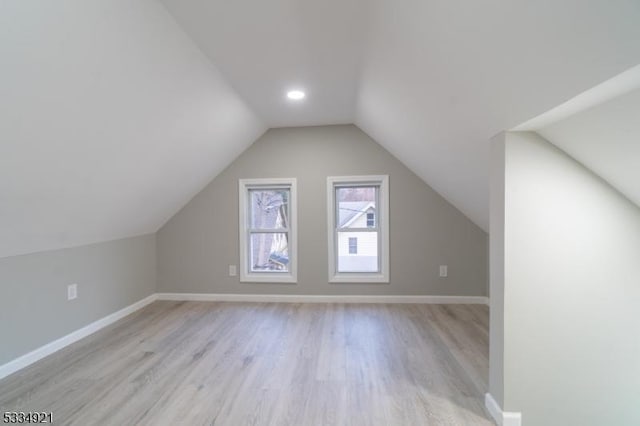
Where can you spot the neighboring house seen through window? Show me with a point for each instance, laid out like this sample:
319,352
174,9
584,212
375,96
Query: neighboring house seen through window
358,228
267,230
370,220
353,245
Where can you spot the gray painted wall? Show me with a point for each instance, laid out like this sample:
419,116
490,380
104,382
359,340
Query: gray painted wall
196,246
33,290
572,291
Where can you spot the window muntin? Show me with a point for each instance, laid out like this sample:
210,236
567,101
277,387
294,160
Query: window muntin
267,230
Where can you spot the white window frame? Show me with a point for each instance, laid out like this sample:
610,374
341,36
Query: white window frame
382,222
246,275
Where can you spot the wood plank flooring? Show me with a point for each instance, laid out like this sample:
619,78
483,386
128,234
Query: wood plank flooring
203,363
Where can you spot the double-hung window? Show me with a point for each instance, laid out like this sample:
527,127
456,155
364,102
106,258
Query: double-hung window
358,213
268,230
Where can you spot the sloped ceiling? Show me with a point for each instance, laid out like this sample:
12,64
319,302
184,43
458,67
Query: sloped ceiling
112,117
265,48
431,80
441,77
606,139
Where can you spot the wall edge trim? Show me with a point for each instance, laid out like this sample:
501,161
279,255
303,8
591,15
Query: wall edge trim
502,418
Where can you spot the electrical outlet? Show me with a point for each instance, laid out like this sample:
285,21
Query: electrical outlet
72,291
444,271
233,270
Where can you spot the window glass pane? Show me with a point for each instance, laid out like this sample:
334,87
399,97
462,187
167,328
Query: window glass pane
269,208
269,252
365,258
353,204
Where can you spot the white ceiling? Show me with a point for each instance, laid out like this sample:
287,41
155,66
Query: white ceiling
110,121
606,139
431,80
441,77
265,48
112,117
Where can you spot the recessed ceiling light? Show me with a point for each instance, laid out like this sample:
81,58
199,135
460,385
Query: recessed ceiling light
295,95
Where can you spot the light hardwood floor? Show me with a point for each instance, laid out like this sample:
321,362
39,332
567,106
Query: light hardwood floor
201,363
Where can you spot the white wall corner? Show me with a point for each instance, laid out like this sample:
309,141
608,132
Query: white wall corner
502,418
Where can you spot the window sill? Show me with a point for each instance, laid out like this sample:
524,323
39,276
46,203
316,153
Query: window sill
360,278
269,278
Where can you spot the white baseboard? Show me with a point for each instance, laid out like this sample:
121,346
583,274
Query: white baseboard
43,351
290,298
503,418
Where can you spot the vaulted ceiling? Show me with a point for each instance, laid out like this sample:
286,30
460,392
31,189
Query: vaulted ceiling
265,48
113,113
111,119
606,139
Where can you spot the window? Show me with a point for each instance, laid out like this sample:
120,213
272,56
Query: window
358,212
267,218
353,245
370,220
